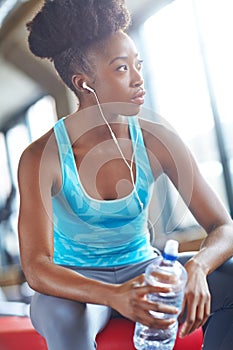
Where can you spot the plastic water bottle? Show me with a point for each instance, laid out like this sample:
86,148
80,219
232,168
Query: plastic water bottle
168,272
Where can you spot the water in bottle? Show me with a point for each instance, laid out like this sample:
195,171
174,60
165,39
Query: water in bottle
168,272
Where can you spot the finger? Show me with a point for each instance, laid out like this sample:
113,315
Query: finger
207,311
162,308
139,280
148,320
198,319
189,322
158,289
183,311
200,316
152,314
203,312
197,316
162,324
147,289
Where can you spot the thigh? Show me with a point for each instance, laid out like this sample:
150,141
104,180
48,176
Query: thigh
219,331
67,324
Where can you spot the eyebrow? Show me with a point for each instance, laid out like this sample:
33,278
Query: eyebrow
117,58
120,58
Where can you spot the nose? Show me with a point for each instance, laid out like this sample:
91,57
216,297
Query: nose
137,79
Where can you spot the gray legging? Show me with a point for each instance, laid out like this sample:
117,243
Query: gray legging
67,324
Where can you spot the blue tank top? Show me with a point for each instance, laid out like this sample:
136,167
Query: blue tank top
101,233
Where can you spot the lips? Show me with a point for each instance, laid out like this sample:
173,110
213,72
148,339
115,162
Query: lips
139,97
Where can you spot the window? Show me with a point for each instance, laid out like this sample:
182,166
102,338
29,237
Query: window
4,173
218,48
38,119
41,117
17,141
181,90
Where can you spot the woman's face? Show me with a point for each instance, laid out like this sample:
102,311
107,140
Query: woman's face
118,75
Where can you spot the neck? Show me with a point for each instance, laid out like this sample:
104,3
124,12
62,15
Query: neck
89,124
105,111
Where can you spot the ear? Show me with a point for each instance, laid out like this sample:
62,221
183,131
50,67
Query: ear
78,80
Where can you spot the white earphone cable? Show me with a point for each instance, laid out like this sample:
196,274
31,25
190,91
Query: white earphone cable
129,165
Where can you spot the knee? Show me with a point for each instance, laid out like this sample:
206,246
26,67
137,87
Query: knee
59,314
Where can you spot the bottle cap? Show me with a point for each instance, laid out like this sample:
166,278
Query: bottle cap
171,248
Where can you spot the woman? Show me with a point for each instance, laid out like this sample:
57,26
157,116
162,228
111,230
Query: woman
85,187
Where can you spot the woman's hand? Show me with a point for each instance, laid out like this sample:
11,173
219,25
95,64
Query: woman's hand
130,301
196,305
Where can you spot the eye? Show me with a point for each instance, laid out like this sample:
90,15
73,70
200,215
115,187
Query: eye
122,68
139,64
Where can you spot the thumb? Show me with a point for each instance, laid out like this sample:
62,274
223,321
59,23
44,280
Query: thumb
139,280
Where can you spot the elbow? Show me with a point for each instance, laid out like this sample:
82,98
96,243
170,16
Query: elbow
33,278
36,276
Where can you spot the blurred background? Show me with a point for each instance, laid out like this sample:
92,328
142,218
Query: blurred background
187,49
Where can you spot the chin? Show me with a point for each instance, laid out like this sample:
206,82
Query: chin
129,109
132,110
122,108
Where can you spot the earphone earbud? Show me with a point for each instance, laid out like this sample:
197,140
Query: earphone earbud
85,86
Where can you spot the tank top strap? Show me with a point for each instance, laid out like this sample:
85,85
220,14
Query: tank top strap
141,155
63,143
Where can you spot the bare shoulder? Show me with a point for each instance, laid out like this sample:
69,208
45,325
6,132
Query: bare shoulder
39,155
157,131
34,152
164,145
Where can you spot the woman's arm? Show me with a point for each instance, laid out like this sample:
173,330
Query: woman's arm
169,153
38,176
216,249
